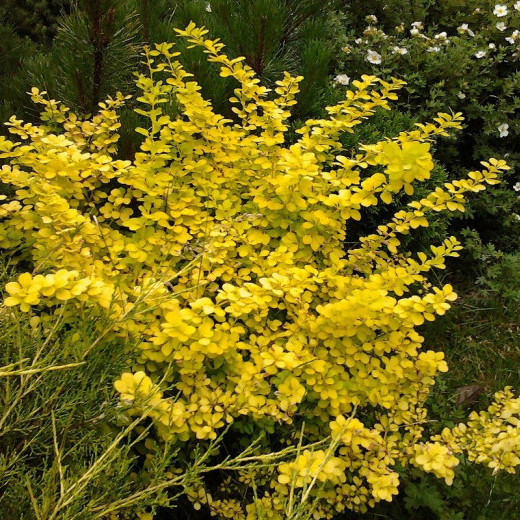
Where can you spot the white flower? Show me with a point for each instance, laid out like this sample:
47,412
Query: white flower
461,95
371,18
503,129
513,37
433,49
441,36
417,25
465,29
500,10
373,57
480,54
516,216
208,8
342,79
517,6
492,46
414,31
400,50
501,26
358,40
516,187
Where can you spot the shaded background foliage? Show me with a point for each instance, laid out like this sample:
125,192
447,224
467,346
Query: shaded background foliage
97,45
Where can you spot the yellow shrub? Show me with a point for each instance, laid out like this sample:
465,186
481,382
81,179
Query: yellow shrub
221,247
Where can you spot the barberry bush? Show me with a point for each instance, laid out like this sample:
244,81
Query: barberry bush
289,360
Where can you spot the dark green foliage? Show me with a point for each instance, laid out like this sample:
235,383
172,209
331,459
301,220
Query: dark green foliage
37,19
13,49
388,124
92,55
98,44
273,35
95,50
389,13
496,271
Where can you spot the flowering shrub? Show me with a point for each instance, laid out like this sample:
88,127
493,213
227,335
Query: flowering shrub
220,248
461,55
453,62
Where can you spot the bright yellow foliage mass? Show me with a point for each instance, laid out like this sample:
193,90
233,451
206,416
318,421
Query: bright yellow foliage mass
220,248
